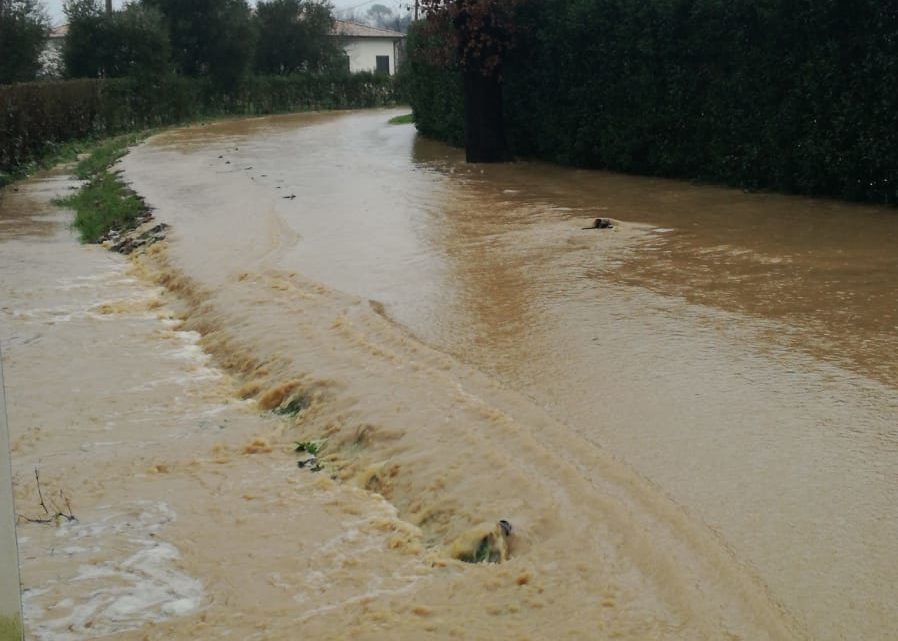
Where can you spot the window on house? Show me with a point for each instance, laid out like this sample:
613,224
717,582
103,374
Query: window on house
383,64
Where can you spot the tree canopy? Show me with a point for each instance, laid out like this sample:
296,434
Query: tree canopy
212,37
131,42
480,31
24,28
294,36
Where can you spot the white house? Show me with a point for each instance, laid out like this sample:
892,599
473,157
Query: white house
51,56
369,48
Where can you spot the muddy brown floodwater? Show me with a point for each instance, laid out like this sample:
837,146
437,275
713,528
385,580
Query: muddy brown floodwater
691,420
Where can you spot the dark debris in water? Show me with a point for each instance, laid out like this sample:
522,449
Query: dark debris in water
292,407
128,241
601,223
491,548
311,463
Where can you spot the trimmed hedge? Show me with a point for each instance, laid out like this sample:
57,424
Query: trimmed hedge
38,116
791,95
434,92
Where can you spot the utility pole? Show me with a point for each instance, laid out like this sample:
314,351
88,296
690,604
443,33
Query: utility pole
10,587
416,10
108,6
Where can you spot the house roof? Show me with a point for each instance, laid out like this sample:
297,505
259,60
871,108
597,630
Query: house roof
355,30
59,32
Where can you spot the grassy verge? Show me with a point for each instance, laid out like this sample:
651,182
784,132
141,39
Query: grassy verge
104,203
10,629
56,154
103,154
407,119
103,149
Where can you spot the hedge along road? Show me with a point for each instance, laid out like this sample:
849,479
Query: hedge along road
689,418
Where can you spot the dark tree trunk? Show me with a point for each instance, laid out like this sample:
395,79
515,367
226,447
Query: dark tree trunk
484,129
108,6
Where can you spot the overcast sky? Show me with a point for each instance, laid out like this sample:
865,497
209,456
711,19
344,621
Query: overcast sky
57,17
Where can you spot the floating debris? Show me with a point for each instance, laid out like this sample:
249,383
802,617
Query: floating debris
126,243
311,463
292,406
601,223
486,543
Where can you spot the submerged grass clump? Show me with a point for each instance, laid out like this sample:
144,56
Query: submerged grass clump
103,155
10,629
406,119
310,447
104,203
480,555
292,407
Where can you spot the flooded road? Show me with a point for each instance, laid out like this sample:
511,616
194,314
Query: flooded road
691,420
737,350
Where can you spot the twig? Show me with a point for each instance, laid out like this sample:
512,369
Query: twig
51,518
37,478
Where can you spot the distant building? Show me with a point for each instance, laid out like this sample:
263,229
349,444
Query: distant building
369,48
51,57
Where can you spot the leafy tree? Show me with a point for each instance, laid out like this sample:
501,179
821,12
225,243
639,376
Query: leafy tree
476,35
138,43
131,42
381,16
24,28
294,36
83,51
214,37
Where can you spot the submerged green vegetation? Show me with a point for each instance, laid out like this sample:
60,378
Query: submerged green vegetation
104,203
103,154
10,629
51,155
406,119
292,407
310,447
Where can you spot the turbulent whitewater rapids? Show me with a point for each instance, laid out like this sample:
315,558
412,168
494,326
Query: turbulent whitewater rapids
463,352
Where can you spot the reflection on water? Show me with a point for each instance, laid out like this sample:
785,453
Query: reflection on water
738,350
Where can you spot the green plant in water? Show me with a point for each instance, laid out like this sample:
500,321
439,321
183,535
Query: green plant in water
311,447
406,119
105,154
102,205
482,554
10,629
292,407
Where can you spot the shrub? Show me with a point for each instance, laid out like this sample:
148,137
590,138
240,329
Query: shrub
37,117
783,94
24,28
132,42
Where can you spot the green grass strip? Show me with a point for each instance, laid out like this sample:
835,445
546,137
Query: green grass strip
101,205
104,203
407,119
105,153
10,629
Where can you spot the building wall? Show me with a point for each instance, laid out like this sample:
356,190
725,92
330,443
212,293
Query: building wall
363,53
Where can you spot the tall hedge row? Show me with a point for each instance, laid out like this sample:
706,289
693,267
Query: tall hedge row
35,117
792,95
434,91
